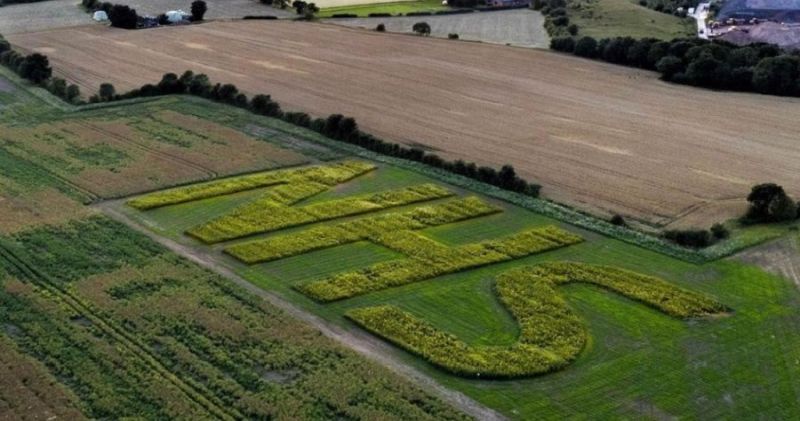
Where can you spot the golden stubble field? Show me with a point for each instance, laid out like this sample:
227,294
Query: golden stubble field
604,138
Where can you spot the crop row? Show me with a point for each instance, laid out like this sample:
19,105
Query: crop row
428,259
329,175
360,229
551,334
272,211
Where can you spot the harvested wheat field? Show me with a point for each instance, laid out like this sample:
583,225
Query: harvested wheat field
600,137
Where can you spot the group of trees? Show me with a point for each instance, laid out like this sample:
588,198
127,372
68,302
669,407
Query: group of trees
697,238
36,68
556,18
421,28
335,126
306,10
125,17
678,8
761,68
770,203
464,3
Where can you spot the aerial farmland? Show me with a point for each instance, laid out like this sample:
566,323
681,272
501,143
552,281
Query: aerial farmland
287,217
560,131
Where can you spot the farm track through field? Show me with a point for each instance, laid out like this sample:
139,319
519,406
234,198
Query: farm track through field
193,390
170,157
361,342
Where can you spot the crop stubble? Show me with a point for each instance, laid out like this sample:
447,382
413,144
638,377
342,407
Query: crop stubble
600,137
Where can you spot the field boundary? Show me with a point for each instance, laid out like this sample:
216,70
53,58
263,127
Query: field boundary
359,341
560,212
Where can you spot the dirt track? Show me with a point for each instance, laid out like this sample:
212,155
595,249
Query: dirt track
781,257
357,340
601,137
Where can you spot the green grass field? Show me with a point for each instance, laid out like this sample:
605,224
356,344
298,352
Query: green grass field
102,303
395,8
638,362
98,321
616,18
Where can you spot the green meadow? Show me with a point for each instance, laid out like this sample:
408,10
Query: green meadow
638,362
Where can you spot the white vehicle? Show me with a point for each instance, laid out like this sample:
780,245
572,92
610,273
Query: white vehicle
100,16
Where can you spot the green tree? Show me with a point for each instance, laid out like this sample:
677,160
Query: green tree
669,66
73,93
106,92
36,68
198,10
122,16
706,71
777,75
586,47
770,203
422,28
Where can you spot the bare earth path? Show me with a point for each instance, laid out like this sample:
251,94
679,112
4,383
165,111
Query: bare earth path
781,257
604,138
360,341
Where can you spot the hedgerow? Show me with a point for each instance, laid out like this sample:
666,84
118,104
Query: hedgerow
328,175
272,211
428,259
331,235
551,334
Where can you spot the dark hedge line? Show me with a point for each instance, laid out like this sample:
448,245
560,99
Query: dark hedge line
454,12
335,126
260,17
36,68
761,68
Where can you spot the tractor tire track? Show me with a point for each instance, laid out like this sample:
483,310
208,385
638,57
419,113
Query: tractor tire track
194,391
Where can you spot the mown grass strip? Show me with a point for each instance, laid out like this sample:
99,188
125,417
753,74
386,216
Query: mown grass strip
551,334
272,211
329,175
321,237
428,259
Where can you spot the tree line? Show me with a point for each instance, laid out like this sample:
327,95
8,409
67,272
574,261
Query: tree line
335,126
761,68
36,68
125,17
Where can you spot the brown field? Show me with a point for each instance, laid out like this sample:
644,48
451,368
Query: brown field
118,157
604,138
28,391
44,207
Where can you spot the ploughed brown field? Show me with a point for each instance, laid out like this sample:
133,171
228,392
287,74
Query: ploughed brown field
604,138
